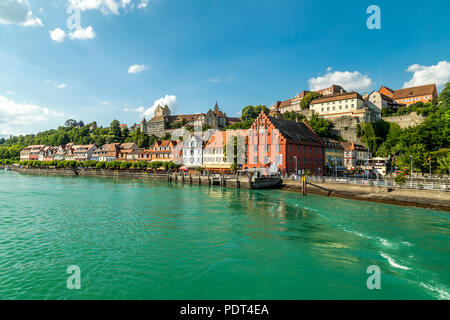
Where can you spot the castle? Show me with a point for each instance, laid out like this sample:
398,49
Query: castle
163,122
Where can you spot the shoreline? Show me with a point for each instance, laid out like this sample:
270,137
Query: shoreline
404,197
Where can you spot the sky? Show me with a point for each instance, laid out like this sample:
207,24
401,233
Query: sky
126,56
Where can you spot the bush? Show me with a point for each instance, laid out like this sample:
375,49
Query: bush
100,165
400,179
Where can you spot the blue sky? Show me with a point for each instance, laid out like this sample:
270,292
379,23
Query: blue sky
194,53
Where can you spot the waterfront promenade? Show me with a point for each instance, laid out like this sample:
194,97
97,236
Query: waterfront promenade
372,191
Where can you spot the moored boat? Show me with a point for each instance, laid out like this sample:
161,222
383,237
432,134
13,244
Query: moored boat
267,183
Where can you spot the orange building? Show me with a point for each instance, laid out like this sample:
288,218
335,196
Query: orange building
215,155
166,150
408,96
388,92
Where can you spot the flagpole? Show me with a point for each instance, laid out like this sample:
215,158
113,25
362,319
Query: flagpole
430,166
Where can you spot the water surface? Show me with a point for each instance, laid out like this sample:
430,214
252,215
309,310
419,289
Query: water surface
137,239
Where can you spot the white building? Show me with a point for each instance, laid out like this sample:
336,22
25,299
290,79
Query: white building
345,104
193,151
380,101
63,151
83,153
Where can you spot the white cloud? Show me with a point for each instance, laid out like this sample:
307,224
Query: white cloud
10,92
16,118
348,80
143,4
137,68
83,34
228,78
139,110
18,12
57,35
438,74
169,100
61,86
108,6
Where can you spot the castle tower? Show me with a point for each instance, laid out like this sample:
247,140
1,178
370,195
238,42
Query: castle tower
166,111
159,111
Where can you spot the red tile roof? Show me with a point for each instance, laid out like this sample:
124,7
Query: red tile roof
428,89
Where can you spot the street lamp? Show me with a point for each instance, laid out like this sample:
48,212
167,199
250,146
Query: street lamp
335,167
296,171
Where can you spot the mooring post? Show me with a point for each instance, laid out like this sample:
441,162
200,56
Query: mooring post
238,183
304,187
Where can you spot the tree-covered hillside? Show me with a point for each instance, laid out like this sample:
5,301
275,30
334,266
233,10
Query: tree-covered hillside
76,132
427,141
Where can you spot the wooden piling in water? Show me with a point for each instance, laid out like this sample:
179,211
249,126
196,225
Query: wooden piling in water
304,187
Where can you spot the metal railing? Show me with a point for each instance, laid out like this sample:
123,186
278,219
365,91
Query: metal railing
418,185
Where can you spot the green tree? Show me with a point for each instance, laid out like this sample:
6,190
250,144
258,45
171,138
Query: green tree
308,98
322,127
71,123
115,130
292,115
250,113
444,96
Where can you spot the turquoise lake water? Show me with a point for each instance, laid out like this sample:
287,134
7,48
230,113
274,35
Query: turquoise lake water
155,240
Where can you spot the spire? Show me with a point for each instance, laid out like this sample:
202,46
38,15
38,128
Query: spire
216,107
